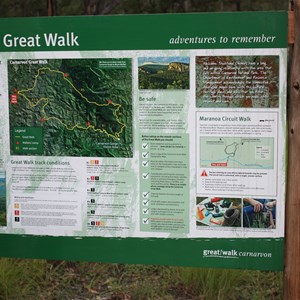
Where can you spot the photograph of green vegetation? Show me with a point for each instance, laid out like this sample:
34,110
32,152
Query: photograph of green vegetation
164,73
49,280
84,106
2,199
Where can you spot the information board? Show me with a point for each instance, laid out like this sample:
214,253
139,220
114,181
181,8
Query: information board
156,139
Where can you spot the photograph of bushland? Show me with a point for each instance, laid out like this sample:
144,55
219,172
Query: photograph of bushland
2,199
164,73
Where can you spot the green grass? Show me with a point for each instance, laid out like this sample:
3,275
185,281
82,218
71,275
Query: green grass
21,279
261,285
46,280
212,283
227,284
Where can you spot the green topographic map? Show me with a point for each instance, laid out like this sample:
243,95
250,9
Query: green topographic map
71,107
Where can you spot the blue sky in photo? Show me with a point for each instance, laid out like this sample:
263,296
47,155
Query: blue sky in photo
163,60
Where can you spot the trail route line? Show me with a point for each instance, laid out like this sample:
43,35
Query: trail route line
35,102
237,152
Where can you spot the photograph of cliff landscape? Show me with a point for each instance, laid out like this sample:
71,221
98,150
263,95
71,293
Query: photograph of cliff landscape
164,73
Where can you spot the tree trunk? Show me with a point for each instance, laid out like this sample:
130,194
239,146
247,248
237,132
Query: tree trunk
187,5
221,5
238,5
50,8
100,7
90,7
25,8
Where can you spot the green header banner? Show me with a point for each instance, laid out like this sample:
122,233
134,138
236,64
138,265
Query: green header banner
141,32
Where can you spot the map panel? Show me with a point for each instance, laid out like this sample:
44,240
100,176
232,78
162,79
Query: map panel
237,152
71,107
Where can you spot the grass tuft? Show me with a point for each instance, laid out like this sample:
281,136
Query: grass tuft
216,284
20,279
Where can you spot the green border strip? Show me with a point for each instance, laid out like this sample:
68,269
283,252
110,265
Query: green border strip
177,252
149,32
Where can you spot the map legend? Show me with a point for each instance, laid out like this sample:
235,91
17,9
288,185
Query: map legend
28,140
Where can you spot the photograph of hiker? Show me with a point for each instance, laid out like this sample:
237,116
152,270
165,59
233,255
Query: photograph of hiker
216,211
259,213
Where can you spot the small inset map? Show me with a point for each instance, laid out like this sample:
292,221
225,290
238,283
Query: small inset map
237,152
71,107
